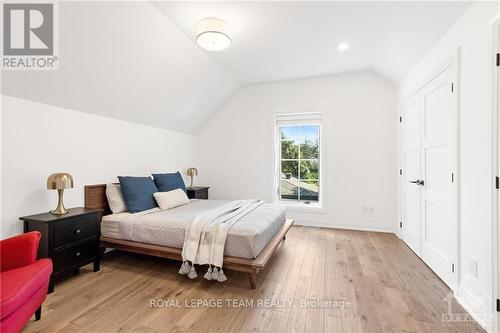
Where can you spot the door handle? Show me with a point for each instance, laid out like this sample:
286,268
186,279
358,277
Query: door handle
415,181
421,182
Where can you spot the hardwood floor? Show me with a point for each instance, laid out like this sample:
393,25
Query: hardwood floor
381,284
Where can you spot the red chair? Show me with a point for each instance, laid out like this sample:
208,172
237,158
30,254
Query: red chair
24,281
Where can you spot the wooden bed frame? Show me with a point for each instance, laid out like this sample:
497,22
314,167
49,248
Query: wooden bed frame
95,197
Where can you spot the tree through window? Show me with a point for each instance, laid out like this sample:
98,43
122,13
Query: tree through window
299,166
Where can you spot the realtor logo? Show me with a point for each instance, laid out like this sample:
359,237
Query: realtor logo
28,29
29,36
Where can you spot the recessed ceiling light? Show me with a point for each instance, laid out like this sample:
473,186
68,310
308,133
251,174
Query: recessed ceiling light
343,46
213,34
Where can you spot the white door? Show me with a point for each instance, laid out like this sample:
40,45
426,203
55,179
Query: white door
410,161
438,161
496,85
429,175
497,41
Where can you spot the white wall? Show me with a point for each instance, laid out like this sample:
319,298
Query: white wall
473,33
128,58
359,112
39,139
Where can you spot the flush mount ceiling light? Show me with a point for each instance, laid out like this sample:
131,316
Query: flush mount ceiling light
213,34
343,46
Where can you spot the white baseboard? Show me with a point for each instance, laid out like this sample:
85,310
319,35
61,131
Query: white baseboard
467,308
346,224
476,302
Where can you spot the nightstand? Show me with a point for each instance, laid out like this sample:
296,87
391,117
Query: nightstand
197,192
70,240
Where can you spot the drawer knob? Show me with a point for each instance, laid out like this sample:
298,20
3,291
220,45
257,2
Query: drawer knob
77,254
77,231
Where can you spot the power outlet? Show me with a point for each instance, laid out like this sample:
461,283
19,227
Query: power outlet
473,267
367,209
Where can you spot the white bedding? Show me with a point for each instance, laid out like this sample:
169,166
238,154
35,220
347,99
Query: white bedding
246,239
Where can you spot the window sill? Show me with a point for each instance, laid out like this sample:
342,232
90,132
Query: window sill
303,208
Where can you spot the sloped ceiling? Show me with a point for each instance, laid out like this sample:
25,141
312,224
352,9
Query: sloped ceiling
126,60
274,40
138,61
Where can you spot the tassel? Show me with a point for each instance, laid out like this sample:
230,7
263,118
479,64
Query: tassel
208,274
192,273
222,277
215,273
185,267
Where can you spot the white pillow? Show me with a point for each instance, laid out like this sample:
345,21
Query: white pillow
115,198
171,199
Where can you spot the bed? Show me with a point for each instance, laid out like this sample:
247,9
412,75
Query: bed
250,244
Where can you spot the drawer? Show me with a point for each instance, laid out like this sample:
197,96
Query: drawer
202,194
74,255
75,230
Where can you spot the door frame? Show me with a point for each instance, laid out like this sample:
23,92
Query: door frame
404,106
451,61
495,173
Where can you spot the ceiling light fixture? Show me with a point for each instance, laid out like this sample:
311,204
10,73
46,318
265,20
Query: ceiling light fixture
213,34
343,46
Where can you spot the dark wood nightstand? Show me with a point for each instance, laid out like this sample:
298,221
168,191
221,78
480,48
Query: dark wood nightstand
70,240
197,192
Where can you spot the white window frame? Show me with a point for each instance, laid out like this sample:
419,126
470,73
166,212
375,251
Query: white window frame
298,119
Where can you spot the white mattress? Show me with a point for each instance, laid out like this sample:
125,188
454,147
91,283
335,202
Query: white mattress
246,239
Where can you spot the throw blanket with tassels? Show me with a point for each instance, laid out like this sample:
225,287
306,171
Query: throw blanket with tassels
205,238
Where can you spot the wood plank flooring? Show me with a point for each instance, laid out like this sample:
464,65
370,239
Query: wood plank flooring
320,280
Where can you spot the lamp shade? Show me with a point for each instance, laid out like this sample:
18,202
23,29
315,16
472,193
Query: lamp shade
213,34
59,181
192,172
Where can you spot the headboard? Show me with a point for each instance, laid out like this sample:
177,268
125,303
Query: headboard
95,197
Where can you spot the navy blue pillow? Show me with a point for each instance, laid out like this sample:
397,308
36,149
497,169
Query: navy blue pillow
169,181
138,193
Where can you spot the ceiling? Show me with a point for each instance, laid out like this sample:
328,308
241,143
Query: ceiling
138,61
126,60
284,40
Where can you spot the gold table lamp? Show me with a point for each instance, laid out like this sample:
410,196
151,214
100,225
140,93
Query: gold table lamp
59,182
192,172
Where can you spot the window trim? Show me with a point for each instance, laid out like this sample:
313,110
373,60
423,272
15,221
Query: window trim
299,119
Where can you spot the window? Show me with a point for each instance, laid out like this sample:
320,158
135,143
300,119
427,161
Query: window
298,158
